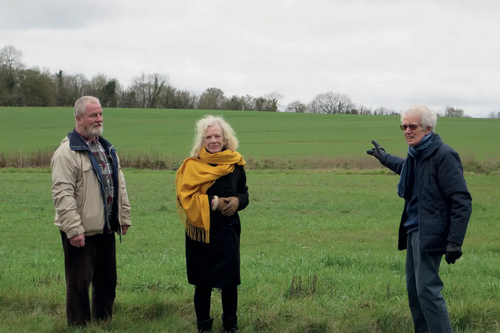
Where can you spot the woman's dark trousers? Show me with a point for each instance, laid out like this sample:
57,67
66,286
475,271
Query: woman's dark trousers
202,297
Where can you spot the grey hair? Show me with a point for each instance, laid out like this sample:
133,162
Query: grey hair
428,118
82,102
230,140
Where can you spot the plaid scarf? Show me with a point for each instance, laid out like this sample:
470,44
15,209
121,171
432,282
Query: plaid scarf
102,159
193,179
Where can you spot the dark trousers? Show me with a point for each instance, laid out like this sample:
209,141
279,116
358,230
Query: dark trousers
427,305
95,264
202,297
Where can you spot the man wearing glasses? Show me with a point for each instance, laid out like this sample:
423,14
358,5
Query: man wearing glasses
435,216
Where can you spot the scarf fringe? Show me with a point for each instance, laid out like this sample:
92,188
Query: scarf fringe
199,234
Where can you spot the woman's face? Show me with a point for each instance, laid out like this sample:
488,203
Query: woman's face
214,139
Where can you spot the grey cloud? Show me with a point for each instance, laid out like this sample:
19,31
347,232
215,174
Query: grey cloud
56,14
380,53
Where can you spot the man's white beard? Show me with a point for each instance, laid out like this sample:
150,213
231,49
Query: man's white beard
94,132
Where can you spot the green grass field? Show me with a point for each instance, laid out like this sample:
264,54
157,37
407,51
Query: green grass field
262,134
335,227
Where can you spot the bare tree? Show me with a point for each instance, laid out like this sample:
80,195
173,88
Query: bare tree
381,111
494,115
313,108
273,100
365,110
260,104
80,82
157,82
297,107
168,97
248,103
331,103
70,87
10,67
96,85
187,99
450,111
212,99
147,89
10,58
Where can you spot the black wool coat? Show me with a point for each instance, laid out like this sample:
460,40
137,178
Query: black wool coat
217,264
444,202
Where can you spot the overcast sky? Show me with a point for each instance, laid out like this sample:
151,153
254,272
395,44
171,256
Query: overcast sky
380,53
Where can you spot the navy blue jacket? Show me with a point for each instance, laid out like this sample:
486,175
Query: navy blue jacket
444,202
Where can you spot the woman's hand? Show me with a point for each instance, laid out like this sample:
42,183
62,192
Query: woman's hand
232,204
222,203
218,203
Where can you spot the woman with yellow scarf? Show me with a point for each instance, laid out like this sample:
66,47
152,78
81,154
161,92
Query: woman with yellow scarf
211,189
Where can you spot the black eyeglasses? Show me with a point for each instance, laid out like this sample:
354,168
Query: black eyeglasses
411,126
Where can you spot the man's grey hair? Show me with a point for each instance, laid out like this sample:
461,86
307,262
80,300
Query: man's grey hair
82,102
230,140
428,117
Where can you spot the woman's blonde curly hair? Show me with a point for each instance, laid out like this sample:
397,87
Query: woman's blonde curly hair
230,140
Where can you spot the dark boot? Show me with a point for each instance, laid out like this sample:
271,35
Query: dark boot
230,324
205,326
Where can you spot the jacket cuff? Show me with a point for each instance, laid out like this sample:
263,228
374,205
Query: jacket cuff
74,231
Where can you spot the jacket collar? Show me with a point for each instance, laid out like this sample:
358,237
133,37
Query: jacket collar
76,142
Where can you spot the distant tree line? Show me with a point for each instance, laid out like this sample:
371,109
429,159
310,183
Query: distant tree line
21,86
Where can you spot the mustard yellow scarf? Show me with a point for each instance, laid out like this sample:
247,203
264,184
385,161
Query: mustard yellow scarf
193,179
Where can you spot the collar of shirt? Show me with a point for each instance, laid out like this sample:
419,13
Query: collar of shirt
89,141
